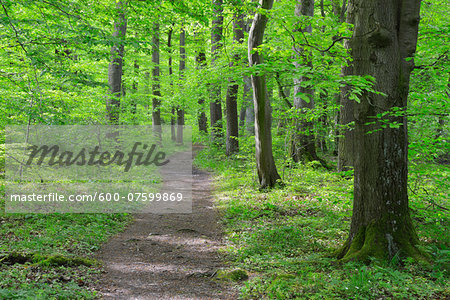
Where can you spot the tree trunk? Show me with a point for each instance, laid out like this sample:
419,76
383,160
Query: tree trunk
180,108
232,143
156,102
202,120
265,164
346,140
216,44
172,115
346,119
115,69
385,35
249,111
134,88
303,147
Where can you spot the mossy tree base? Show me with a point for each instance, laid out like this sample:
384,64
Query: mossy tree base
378,240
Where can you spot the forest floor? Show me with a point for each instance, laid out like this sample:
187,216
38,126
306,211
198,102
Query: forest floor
168,256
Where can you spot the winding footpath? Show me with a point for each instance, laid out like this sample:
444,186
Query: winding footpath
168,256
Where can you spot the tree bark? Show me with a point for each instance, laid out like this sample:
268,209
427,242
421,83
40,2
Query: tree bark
180,108
265,164
115,69
232,143
346,130
202,120
216,44
156,89
303,147
346,119
172,112
249,110
134,88
385,35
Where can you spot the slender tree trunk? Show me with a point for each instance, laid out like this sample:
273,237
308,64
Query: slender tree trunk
346,119
385,35
180,108
249,110
242,116
115,69
303,147
265,164
134,88
156,102
216,44
202,120
172,112
232,143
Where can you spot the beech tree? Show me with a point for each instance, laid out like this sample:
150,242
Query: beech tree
383,44
303,143
182,67
216,44
200,60
115,69
156,102
232,143
265,164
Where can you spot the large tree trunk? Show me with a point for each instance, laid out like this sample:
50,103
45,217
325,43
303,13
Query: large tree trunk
216,44
115,69
385,35
232,143
303,147
202,120
265,164
180,108
156,102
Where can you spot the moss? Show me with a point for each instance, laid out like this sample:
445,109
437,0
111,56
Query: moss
375,241
53,260
59,260
233,275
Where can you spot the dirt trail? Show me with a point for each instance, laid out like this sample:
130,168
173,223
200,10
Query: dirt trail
171,256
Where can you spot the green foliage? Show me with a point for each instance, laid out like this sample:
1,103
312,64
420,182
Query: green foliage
286,237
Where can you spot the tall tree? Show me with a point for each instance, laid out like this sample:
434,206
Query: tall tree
134,88
115,69
265,164
303,143
216,44
346,119
232,143
172,115
180,108
345,124
383,44
156,89
200,60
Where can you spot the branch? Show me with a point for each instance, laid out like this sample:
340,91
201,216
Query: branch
13,28
280,88
422,67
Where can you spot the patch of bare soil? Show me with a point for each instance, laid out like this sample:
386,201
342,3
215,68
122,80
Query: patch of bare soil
170,256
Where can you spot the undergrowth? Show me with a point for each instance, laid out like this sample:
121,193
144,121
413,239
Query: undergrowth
58,245
285,237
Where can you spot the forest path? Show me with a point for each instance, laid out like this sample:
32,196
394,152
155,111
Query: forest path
171,256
